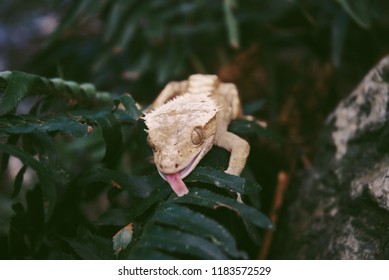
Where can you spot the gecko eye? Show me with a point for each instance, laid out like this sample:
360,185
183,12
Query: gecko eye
197,136
151,144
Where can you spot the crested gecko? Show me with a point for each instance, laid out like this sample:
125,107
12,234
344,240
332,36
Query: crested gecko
186,120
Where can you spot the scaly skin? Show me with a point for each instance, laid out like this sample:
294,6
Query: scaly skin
187,119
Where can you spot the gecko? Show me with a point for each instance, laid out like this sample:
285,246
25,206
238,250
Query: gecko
184,122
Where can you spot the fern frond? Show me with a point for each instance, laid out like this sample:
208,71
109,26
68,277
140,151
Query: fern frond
18,85
45,177
24,124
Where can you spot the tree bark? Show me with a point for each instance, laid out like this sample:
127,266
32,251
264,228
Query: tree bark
339,209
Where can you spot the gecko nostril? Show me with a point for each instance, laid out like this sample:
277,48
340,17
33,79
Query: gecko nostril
176,165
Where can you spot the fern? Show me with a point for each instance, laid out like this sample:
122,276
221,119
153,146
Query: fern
23,124
182,228
45,178
175,229
167,39
156,224
18,85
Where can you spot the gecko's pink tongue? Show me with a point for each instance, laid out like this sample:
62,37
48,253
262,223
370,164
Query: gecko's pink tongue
177,184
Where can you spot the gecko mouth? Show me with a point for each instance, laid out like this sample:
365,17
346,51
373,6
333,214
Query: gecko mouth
189,168
175,179
186,170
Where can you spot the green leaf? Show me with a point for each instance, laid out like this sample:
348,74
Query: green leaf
223,180
126,36
6,213
338,38
137,186
114,217
111,177
218,178
158,195
23,124
42,145
254,232
45,179
17,88
122,238
144,186
254,106
114,20
18,181
12,140
231,22
91,247
130,107
251,127
65,124
176,216
205,198
217,158
121,217
82,93
170,240
18,85
112,134
359,10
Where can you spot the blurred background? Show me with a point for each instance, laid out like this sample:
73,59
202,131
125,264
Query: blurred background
292,60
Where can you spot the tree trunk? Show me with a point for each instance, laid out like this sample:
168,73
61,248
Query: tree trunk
339,209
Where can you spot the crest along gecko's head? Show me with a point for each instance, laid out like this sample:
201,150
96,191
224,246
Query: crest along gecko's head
180,133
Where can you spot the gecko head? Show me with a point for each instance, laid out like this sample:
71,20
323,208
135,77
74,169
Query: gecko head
180,134
178,149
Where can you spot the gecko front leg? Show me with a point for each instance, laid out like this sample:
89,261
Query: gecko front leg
183,130
238,147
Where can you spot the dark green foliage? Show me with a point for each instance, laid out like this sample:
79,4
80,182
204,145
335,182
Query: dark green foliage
6,213
83,172
44,175
165,39
231,22
18,85
90,247
170,39
132,113
24,124
194,234
122,238
359,10
159,225
248,127
209,199
112,134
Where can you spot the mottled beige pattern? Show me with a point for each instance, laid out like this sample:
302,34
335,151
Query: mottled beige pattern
188,118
